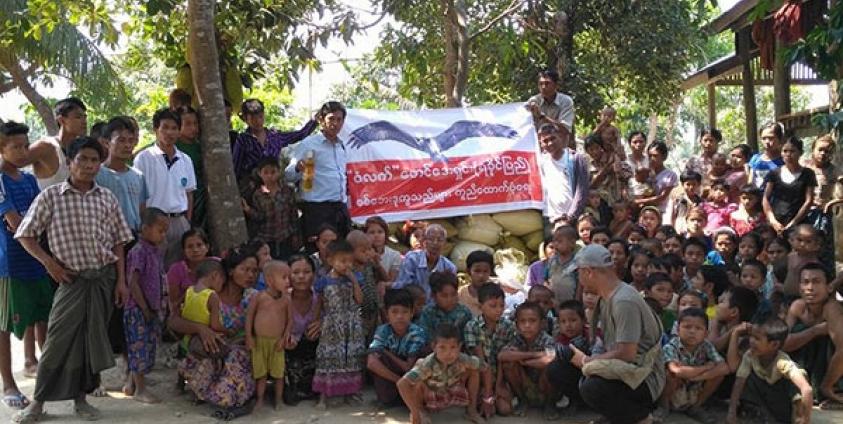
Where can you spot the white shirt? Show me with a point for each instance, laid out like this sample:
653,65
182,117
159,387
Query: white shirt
557,187
168,185
62,173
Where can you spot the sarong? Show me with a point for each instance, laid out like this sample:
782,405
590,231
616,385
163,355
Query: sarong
77,346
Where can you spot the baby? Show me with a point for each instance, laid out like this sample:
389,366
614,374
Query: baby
269,320
640,185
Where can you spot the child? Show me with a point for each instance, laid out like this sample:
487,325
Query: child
300,355
772,137
737,176
271,211
673,245
573,331
610,133
690,198
694,369
693,253
637,269
725,245
170,178
141,324
182,274
419,301
640,186
600,235
753,274
768,379
523,364
718,172
593,205
201,301
749,212
585,224
651,246
659,287
537,273
806,244
688,298
443,379
396,346
637,143
621,223
650,219
369,275
479,264
486,335
325,235
339,357
711,280
269,320
589,301
445,308
189,143
563,281
544,298
749,247
377,230
816,323
261,253
26,287
696,221
735,306
717,208
636,234
620,255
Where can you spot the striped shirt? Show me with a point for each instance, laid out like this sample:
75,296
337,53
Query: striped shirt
82,228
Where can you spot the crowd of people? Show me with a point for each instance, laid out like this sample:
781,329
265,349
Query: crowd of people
655,292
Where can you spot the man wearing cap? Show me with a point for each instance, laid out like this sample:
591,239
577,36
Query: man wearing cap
550,106
631,334
565,176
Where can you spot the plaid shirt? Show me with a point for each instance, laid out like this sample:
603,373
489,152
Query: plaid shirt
675,351
540,344
82,228
432,316
409,346
276,215
476,334
439,377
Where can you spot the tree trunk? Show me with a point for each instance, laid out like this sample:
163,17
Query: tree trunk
653,128
42,106
456,51
228,226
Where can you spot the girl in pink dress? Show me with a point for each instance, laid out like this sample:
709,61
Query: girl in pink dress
749,213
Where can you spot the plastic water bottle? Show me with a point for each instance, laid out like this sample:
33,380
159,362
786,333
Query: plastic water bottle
309,172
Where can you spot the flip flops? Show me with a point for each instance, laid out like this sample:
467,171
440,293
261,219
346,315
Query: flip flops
27,417
15,401
86,412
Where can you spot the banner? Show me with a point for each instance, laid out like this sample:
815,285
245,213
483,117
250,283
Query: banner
441,163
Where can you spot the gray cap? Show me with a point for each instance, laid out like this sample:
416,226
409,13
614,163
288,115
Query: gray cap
593,256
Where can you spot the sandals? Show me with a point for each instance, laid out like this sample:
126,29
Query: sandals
86,412
15,401
28,417
827,405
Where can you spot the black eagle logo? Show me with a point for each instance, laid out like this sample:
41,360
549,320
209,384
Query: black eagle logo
434,146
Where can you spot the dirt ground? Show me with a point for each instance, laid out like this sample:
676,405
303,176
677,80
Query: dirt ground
177,408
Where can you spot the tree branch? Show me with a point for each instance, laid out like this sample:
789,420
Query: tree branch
19,79
508,11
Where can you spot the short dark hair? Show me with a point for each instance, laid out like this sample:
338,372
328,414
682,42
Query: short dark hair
84,142
775,329
660,147
717,276
547,129
567,231
696,293
300,257
118,123
550,74
719,182
98,129
816,266
398,297
797,143
479,256
728,232
713,132
539,289
778,129
10,128
573,305
667,230
340,246
621,242
745,300
489,291
446,331
150,215
599,230
657,278
179,96
163,115
694,241
528,306
634,133
209,266
187,110
270,161
593,139
63,107
194,232
693,313
690,176
669,261
331,107
746,150
754,263
438,281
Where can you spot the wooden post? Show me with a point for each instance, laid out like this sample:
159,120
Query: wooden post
749,107
711,90
781,84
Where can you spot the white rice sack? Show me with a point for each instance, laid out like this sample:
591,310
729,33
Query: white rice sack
534,240
519,223
479,229
463,249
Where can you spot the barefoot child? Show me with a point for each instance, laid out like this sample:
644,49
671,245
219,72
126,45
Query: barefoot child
572,332
339,357
300,356
443,379
524,363
694,369
479,264
767,378
369,275
396,346
486,335
201,301
145,272
268,323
